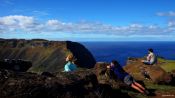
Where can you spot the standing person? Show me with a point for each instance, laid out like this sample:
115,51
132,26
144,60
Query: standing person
70,66
151,58
125,77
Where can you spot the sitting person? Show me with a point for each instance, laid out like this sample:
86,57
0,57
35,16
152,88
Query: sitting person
125,77
151,58
70,66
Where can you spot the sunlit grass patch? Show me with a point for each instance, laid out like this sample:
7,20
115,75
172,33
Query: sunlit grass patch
168,65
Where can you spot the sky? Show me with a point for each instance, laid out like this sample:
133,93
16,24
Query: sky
88,20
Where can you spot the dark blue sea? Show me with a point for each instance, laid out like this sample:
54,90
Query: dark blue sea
107,51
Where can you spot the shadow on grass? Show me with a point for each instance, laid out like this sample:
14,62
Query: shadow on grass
152,92
105,91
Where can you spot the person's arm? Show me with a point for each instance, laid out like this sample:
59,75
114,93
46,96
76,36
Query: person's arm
149,57
108,66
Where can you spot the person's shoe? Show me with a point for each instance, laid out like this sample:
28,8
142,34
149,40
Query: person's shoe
147,92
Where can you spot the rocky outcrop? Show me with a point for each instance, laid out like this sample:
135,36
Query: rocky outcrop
83,56
107,77
83,83
78,84
156,73
15,65
170,78
45,55
29,85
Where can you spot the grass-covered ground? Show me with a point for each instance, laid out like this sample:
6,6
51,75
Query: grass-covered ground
160,91
167,65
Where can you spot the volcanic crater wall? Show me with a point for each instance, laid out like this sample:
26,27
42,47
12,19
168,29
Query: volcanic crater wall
45,55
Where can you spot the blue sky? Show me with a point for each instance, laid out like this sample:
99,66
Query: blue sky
88,20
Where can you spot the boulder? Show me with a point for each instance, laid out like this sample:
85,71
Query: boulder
135,67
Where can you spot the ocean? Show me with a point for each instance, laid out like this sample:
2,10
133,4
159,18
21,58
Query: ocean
120,51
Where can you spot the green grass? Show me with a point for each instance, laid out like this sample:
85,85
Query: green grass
149,85
160,87
168,65
134,94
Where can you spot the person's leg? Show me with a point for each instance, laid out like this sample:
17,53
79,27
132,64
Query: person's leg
137,88
144,90
146,62
140,86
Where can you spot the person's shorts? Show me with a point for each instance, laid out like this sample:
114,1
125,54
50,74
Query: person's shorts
129,80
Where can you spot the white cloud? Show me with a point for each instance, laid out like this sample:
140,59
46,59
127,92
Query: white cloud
170,13
19,22
6,2
15,23
171,26
171,23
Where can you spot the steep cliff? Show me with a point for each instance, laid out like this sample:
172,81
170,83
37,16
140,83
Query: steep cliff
45,55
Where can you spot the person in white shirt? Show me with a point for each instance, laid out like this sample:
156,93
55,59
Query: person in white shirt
151,58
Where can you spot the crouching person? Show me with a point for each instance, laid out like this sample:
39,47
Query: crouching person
125,77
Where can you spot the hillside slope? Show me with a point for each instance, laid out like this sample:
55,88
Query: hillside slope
45,55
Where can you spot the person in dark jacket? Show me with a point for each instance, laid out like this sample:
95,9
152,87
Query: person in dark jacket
125,77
